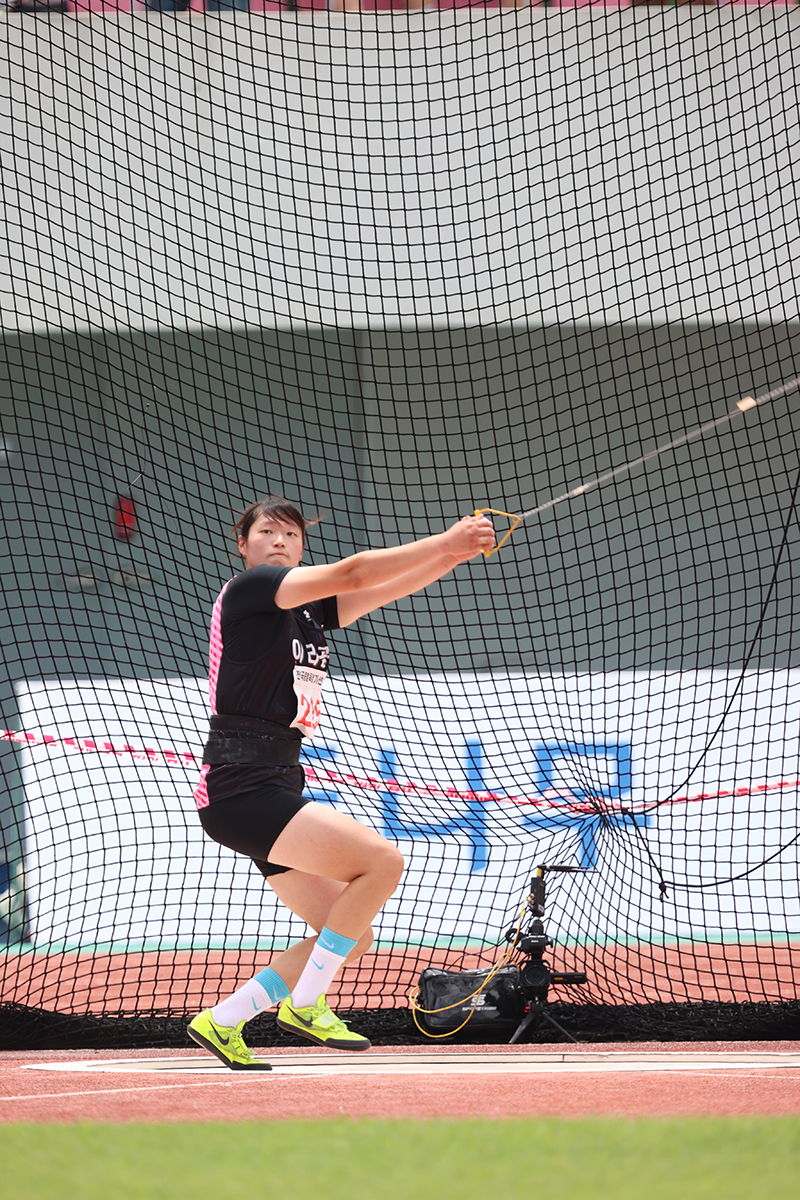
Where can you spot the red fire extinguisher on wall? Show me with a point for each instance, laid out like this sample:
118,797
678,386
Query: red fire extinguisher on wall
124,518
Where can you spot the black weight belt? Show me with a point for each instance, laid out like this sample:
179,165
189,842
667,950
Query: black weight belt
248,741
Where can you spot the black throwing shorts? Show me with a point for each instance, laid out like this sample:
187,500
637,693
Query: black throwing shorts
250,823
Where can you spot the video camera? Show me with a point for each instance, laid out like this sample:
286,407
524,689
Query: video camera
515,996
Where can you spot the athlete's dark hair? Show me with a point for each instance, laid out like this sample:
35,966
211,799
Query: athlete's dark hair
272,506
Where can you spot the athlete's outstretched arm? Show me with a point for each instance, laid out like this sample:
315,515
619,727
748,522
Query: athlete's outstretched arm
430,557
353,605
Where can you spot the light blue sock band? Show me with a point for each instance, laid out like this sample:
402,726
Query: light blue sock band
335,942
272,984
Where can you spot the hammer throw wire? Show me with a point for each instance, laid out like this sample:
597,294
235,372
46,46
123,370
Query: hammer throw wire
742,406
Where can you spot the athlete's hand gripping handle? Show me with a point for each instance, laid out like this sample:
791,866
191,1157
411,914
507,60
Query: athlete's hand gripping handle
479,512
469,537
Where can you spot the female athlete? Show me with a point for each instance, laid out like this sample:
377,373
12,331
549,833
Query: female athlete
268,661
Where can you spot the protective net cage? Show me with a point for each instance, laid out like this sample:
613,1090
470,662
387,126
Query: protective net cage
398,267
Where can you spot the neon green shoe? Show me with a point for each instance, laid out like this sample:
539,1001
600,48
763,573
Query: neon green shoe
226,1043
317,1023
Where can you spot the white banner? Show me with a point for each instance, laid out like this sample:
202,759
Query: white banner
687,779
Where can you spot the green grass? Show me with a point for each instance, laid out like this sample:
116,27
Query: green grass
596,1159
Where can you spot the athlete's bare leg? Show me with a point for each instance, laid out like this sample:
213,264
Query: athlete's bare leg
320,841
311,898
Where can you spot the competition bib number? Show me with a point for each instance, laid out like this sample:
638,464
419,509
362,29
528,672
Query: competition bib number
308,689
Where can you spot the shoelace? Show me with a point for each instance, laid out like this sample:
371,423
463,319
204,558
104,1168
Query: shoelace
334,1023
328,1018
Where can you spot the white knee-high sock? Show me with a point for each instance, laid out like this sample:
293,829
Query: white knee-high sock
330,951
263,990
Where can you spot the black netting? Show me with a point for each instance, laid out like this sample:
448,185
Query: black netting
399,267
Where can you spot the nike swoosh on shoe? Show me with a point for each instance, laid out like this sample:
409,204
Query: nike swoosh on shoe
302,1020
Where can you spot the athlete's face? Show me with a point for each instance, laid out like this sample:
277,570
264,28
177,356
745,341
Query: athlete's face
272,542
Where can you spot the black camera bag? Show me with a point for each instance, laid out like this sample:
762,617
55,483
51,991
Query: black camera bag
500,1005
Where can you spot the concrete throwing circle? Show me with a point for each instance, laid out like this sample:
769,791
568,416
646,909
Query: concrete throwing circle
485,1063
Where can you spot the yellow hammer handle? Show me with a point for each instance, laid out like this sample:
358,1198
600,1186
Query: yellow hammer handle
499,513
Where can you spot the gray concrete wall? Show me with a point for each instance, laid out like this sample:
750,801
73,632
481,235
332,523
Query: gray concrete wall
393,436
508,192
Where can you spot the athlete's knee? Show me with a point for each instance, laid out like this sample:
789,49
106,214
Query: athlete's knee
382,864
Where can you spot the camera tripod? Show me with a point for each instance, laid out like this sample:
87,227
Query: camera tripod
535,977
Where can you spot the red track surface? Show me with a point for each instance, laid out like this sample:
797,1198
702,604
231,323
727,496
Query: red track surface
55,1096
185,980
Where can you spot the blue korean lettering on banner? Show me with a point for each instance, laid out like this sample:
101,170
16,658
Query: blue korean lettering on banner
577,756
552,760
471,820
